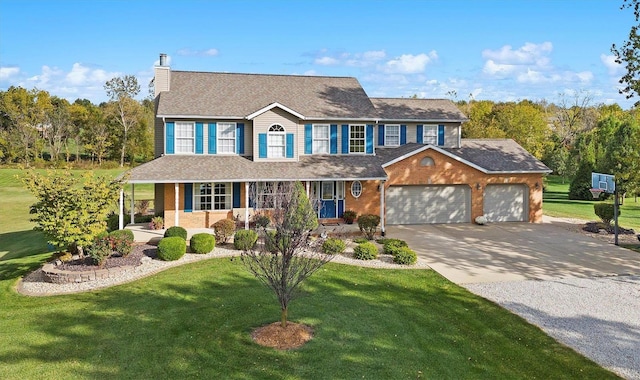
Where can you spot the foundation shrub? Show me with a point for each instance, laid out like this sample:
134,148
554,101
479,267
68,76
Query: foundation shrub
365,251
245,240
202,243
333,246
368,225
224,230
391,245
404,255
172,248
176,231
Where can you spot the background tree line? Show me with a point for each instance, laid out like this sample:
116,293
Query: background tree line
37,127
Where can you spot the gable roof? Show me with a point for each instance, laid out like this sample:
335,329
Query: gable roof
436,110
229,95
491,156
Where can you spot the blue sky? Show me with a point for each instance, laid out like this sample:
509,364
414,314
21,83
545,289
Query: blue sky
496,50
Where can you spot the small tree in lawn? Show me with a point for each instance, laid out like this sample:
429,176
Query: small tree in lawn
71,211
287,254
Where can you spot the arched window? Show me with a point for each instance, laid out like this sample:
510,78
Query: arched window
276,142
427,161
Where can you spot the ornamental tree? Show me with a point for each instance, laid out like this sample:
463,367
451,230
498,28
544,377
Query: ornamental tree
71,211
287,255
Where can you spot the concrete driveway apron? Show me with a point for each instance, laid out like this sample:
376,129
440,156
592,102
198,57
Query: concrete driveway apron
498,252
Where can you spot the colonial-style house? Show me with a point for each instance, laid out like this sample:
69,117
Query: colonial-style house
221,138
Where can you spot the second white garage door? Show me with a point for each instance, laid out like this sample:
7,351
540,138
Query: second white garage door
428,204
506,203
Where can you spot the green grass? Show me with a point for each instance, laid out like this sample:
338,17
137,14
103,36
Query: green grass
195,321
556,202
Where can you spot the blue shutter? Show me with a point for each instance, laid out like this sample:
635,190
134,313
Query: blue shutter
308,139
403,134
188,197
369,139
334,139
240,138
345,139
213,146
440,135
236,195
199,138
262,145
289,147
169,137
381,135
419,133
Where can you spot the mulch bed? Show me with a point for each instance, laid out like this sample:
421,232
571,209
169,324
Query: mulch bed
133,259
295,335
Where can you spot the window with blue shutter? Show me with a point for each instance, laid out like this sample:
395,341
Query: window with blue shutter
440,135
188,197
403,134
345,139
236,195
240,138
289,148
369,139
381,135
262,145
419,133
199,138
308,139
212,138
334,139
169,138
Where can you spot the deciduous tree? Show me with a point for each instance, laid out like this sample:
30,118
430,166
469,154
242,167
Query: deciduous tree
124,110
628,54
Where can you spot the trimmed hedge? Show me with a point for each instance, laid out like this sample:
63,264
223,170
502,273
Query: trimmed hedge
123,234
405,255
223,229
392,245
245,240
365,251
202,243
172,248
368,225
333,246
176,231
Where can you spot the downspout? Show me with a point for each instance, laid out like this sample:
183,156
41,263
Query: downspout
246,205
176,219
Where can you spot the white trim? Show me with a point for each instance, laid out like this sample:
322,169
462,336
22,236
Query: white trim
423,121
121,209
266,180
313,137
235,138
175,136
176,189
272,106
246,205
191,117
382,208
364,139
132,211
386,137
351,188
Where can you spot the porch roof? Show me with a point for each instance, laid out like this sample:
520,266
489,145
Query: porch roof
218,168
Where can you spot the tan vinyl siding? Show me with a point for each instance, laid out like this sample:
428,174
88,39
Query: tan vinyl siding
158,137
262,123
162,77
248,138
451,135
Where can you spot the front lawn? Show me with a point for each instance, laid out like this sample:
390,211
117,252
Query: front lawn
195,321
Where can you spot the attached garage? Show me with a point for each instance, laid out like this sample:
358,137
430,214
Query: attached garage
428,204
506,203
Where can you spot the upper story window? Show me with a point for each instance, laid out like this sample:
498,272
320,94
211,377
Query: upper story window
321,138
276,142
357,142
185,137
430,134
391,135
226,138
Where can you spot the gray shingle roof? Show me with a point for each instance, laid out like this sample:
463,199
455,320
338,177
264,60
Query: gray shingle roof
238,95
498,155
417,109
206,168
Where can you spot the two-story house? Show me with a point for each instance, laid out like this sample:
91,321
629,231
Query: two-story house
222,137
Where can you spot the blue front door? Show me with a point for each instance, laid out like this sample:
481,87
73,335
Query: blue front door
327,199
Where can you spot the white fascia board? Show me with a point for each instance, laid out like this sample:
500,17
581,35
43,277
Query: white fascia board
341,119
439,150
200,117
272,106
419,121
261,180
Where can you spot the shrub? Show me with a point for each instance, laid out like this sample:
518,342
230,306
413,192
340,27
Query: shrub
65,256
224,229
122,234
404,255
261,220
156,223
349,216
172,248
202,243
368,225
244,240
605,211
391,245
360,240
365,251
100,250
333,246
176,231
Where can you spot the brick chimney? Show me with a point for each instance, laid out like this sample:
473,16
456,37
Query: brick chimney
162,76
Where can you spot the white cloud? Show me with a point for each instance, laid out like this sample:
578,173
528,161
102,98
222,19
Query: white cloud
410,64
609,61
198,53
326,61
528,54
366,59
82,75
7,72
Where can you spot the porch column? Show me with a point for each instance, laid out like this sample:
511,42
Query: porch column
382,207
176,191
121,209
133,212
308,188
246,205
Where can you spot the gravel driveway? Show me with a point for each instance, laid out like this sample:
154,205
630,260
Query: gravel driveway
598,317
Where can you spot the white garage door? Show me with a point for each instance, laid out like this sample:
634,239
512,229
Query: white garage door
506,203
428,204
